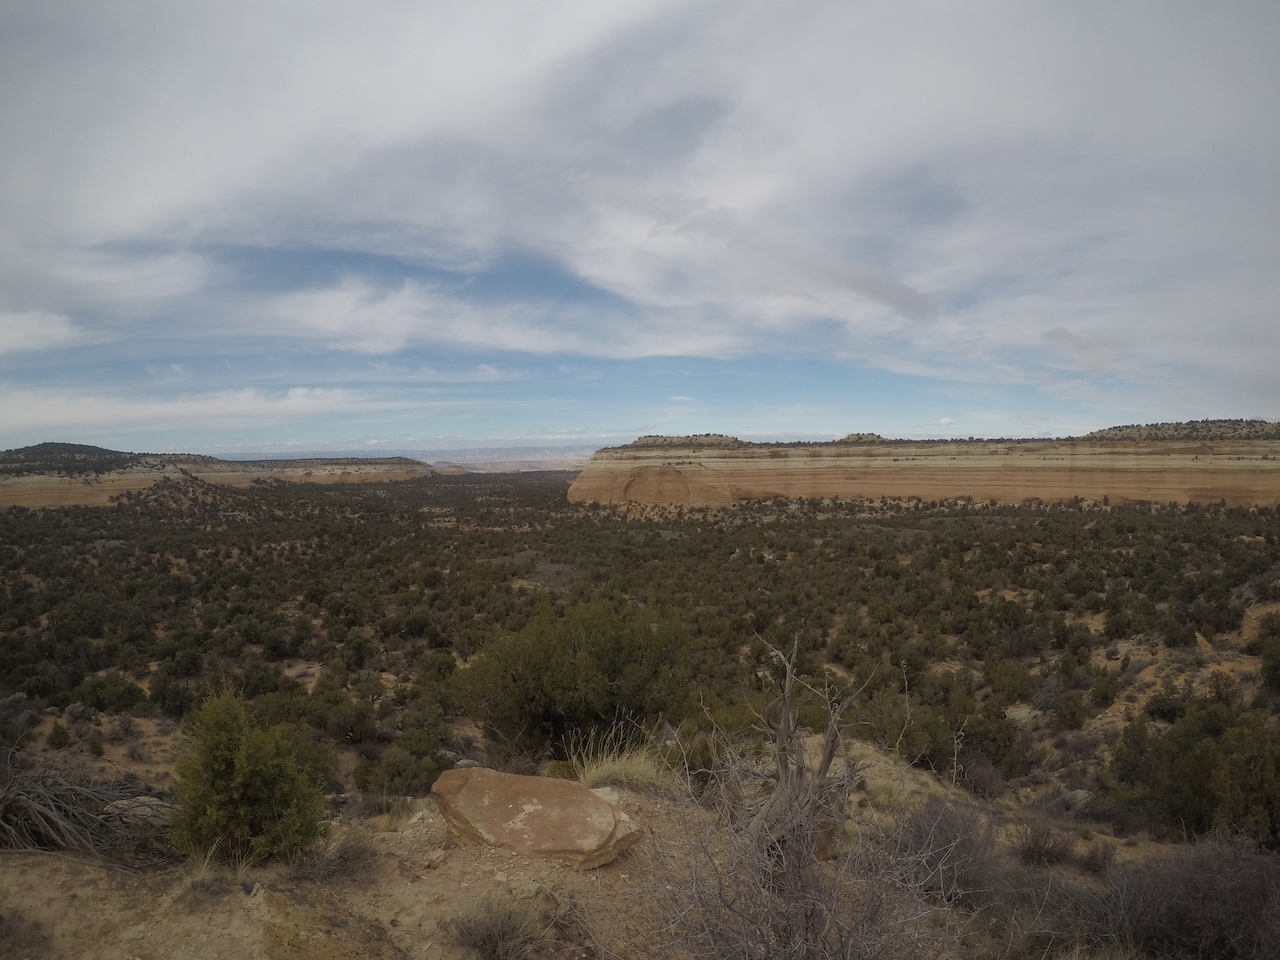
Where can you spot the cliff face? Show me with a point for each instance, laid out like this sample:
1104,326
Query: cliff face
1243,472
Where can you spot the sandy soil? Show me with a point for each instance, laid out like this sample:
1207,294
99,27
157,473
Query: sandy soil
56,907
1241,472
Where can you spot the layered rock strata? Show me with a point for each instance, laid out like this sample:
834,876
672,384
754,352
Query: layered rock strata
696,473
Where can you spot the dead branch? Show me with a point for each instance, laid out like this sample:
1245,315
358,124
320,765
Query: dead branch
47,805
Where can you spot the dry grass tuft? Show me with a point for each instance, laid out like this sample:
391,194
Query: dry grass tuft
348,856
612,760
204,877
496,930
390,814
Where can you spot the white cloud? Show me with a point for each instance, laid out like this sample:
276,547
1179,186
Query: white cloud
28,330
37,412
1064,195
359,316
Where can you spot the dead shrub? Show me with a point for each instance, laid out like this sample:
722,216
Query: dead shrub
51,805
1041,845
1210,900
773,872
1099,855
723,896
18,716
497,930
333,858
123,728
983,776
950,849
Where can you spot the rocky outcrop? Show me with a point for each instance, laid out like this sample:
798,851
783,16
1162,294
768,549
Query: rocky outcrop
691,471
540,816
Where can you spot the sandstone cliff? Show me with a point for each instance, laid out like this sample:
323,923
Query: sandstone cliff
692,471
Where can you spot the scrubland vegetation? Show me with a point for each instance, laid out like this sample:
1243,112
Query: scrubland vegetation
1006,649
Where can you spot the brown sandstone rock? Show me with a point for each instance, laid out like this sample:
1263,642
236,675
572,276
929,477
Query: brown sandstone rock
534,815
689,471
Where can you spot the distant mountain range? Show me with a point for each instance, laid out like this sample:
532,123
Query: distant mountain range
78,459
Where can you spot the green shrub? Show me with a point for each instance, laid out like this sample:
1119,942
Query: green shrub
1215,768
240,788
588,668
1070,711
400,772
1106,688
58,737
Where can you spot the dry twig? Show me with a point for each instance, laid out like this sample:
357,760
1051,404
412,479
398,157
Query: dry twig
48,805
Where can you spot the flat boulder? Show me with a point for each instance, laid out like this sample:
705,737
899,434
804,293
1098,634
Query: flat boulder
539,816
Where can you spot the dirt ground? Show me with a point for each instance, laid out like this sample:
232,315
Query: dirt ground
54,907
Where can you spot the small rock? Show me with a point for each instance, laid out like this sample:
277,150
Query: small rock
523,889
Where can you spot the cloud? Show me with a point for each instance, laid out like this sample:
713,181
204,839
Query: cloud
361,316
1094,352
1079,199
28,330
45,412
787,260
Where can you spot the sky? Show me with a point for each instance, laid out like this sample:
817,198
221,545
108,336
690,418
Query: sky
287,225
